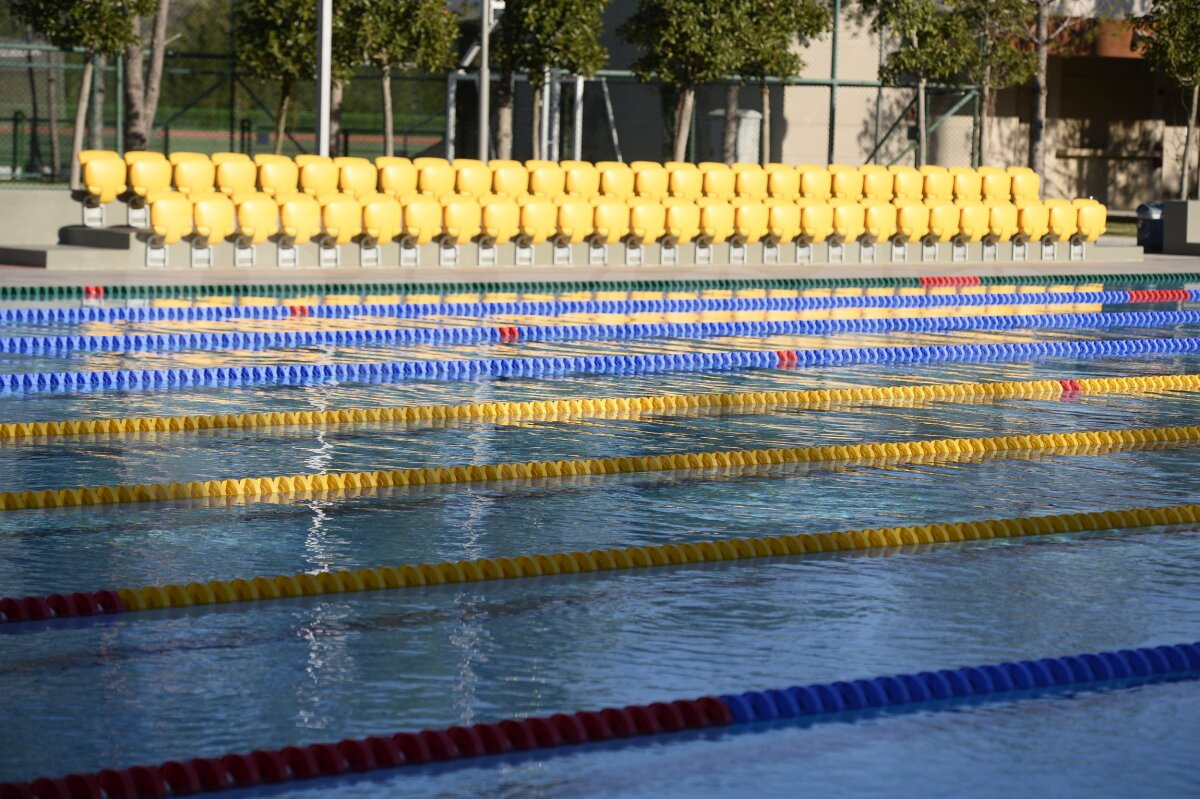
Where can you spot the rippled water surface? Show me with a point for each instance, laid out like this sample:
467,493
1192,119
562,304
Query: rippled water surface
163,685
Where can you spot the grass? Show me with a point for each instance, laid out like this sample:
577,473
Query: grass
1122,227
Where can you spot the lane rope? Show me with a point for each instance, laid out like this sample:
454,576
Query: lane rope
217,592
604,407
410,310
842,700
131,493
278,290
470,369
253,340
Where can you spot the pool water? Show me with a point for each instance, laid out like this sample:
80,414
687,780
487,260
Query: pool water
80,695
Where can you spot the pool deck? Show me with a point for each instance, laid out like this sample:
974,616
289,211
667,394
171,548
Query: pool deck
22,276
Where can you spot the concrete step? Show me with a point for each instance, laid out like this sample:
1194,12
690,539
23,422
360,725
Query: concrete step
125,248
109,238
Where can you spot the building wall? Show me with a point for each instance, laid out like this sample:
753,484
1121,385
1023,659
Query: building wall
1116,129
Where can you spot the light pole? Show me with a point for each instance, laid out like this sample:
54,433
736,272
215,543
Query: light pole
485,78
324,72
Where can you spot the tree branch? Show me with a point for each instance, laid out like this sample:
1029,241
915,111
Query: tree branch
1061,28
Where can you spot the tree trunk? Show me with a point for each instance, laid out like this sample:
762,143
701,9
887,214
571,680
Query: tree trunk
504,117
389,124
1037,121
538,88
683,121
922,129
98,104
35,143
285,97
985,115
1188,140
158,52
337,93
764,154
553,123
53,82
81,111
136,133
729,142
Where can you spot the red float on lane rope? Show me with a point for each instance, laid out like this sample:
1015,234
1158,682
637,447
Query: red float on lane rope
938,281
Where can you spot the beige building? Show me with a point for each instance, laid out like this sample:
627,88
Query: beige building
1116,129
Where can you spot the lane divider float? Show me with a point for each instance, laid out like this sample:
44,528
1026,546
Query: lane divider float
218,592
843,700
141,342
605,407
410,310
131,493
124,292
470,369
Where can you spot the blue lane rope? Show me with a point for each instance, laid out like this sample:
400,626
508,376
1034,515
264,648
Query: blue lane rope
1091,671
396,371
560,307
462,335
844,700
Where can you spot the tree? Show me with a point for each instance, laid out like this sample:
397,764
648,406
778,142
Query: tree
277,40
684,43
935,44
402,33
142,91
1040,36
99,27
1169,37
998,60
534,36
768,29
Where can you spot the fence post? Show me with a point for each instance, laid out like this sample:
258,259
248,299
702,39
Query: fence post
18,122
120,148
976,139
451,115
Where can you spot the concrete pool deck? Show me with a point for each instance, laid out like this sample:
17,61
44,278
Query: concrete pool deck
22,276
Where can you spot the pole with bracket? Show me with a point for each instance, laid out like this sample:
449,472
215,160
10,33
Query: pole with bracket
485,78
324,73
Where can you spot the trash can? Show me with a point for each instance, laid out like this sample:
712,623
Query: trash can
1150,227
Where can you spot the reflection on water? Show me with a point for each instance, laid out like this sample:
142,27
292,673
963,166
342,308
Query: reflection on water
179,684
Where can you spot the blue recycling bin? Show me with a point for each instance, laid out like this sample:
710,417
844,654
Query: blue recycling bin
1150,227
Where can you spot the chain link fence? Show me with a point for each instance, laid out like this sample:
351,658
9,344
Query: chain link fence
836,112
205,106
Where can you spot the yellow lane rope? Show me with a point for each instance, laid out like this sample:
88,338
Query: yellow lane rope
263,487
638,557
600,407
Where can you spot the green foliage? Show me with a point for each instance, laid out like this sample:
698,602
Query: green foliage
277,39
420,33
536,35
684,42
767,28
999,59
104,27
935,43
1169,35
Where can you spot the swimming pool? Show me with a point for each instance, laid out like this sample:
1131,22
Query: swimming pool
155,685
